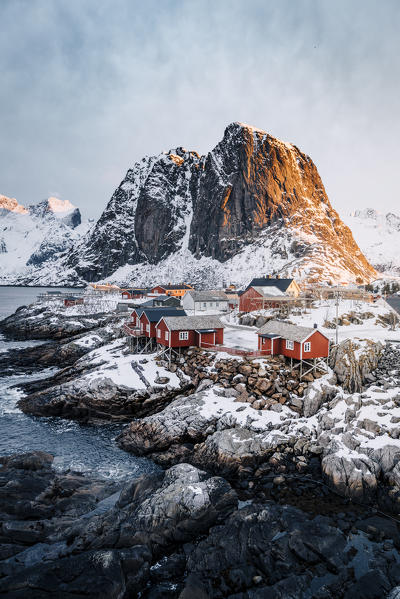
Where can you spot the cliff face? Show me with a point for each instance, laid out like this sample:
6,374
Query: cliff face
254,185
253,205
251,189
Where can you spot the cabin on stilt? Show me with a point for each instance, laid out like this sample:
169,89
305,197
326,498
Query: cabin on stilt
306,347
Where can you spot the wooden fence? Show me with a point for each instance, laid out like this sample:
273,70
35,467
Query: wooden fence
245,353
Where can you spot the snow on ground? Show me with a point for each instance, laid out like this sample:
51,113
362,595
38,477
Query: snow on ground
110,362
323,310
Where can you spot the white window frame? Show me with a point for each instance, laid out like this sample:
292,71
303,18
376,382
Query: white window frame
166,335
183,335
158,332
307,346
289,344
147,328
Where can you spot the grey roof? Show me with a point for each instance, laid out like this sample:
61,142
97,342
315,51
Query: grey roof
286,330
208,296
181,323
154,314
282,284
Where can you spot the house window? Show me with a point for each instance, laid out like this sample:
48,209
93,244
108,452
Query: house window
166,335
307,346
148,328
183,335
204,305
289,344
158,333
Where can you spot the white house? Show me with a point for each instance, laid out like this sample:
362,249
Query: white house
199,301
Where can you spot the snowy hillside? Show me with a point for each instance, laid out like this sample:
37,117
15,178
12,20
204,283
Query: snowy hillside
378,236
33,236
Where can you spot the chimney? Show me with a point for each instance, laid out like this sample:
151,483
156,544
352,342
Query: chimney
315,325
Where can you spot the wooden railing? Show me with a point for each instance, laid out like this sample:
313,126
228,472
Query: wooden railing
132,331
245,353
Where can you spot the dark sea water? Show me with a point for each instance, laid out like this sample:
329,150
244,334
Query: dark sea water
80,447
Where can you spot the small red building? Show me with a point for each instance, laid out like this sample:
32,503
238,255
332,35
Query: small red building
292,341
72,301
133,293
175,290
149,318
267,292
186,331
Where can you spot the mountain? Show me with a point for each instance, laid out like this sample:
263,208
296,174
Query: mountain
254,204
378,235
34,236
251,206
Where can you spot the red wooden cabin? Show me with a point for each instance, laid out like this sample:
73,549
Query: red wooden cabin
73,301
133,293
292,341
186,331
146,318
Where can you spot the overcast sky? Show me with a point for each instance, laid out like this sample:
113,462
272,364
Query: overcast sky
88,87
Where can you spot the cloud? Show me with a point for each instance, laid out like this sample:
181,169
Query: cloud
89,87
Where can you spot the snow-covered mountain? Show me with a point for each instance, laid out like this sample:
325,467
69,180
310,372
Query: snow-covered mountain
34,236
251,206
378,235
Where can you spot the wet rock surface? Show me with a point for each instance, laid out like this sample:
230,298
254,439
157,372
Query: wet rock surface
181,534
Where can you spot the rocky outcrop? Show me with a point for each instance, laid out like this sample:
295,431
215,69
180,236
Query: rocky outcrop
39,321
94,399
62,354
180,534
353,362
64,535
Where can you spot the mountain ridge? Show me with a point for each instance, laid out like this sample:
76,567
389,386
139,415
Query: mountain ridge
253,204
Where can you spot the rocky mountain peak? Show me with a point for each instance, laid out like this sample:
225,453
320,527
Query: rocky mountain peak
11,205
251,205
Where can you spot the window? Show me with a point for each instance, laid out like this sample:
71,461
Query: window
204,305
148,328
307,346
289,344
166,335
183,335
158,333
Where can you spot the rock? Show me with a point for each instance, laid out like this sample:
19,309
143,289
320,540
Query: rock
92,544
316,393
353,360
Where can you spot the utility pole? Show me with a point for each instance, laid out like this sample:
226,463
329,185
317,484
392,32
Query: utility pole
337,317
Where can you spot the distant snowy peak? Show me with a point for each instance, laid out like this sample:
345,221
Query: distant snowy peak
11,205
34,236
378,235
50,208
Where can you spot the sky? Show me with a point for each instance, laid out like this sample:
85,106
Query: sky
90,86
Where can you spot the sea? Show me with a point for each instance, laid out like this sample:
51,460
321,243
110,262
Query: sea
79,447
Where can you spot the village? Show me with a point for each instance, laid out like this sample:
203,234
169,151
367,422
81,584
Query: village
271,318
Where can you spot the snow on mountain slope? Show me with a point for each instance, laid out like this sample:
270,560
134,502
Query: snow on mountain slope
34,235
378,236
253,205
